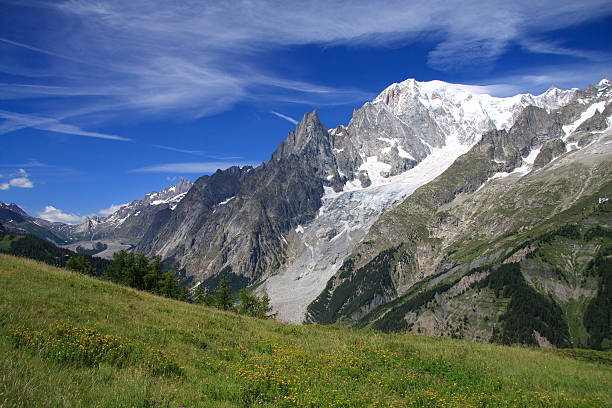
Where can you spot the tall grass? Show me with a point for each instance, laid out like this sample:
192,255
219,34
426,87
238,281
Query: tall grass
227,360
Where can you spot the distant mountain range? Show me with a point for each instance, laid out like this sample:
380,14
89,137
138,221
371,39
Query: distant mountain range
122,229
437,209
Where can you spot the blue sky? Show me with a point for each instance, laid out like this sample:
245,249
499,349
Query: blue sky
104,101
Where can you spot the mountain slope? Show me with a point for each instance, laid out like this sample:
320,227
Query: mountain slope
100,235
220,359
15,220
447,119
296,217
510,190
238,217
131,220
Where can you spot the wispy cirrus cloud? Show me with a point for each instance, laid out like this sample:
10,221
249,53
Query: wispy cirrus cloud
156,57
196,153
178,150
191,167
16,121
287,118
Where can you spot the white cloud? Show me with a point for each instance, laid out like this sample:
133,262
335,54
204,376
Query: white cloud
198,168
56,215
15,121
196,58
186,151
563,77
287,118
111,209
22,182
19,179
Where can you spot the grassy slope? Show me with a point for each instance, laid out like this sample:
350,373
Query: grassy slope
230,360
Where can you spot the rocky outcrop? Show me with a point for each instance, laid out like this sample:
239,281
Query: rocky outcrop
550,150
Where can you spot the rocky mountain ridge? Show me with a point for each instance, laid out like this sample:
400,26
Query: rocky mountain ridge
513,194
121,229
345,217
131,220
376,146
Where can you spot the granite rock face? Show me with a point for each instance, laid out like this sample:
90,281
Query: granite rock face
239,218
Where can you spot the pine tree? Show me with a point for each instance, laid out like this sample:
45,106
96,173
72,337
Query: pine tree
264,307
78,263
248,303
224,296
168,286
199,294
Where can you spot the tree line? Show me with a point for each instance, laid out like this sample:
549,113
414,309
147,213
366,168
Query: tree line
248,304
137,271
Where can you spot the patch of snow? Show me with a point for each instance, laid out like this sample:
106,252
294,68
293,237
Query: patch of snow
404,154
174,199
226,201
299,229
352,186
525,168
377,170
395,142
122,220
572,146
533,154
587,114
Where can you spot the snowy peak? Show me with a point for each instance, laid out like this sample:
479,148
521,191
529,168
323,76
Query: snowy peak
14,208
129,220
465,111
409,120
169,196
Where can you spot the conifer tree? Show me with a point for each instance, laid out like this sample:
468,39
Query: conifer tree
78,263
224,295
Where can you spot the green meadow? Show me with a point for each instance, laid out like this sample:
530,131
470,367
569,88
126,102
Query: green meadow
69,340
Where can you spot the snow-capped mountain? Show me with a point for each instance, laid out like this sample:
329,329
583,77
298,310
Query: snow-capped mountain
292,222
446,119
409,119
533,195
126,226
131,220
14,219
